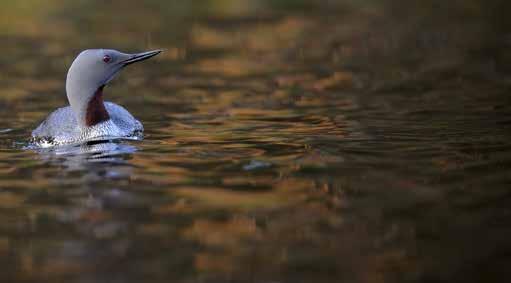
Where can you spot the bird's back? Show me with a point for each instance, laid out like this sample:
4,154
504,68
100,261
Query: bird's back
60,127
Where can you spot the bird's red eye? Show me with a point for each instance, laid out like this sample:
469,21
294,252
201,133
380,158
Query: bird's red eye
107,58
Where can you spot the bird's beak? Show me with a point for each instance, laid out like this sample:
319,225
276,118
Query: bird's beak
140,57
130,59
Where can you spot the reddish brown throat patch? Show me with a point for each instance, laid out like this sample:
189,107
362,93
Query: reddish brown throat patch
96,111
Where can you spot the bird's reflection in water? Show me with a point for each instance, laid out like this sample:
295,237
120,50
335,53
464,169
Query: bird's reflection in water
105,159
99,169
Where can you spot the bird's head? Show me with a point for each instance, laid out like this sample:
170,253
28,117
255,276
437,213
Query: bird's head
90,72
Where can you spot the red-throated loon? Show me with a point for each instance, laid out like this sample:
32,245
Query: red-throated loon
88,118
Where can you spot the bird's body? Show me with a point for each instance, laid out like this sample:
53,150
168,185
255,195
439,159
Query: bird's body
89,118
60,127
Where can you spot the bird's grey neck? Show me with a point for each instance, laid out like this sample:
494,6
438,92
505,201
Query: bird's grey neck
89,109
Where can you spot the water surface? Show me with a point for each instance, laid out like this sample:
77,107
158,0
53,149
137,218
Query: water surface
285,141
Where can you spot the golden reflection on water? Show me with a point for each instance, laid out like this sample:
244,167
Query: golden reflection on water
280,146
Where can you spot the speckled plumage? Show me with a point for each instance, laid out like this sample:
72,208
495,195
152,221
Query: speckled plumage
60,127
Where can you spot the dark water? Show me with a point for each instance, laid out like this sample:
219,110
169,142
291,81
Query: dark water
285,141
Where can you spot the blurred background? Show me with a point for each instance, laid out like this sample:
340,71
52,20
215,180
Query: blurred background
285,141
